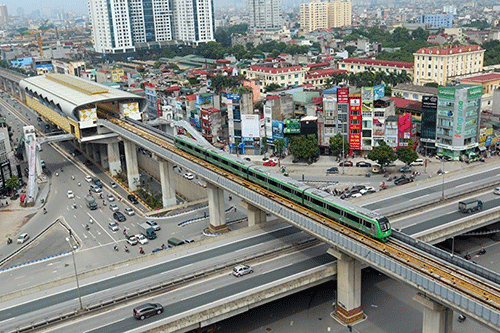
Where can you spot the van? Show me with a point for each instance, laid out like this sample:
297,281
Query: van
418,162
175,242
95,188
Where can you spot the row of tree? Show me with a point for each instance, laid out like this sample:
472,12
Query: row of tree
368,78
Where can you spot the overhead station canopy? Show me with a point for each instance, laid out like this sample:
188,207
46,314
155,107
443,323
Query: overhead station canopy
70,94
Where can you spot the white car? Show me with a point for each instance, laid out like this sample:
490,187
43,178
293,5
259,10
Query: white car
189,176
129,211
242,270
88,178
71,195
367,190
113,207
113,184
113,226
418,162
22,238
110,197
141,239
496,191
132,240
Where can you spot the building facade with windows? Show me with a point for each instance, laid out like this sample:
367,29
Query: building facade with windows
457,120
282,74
324,14
122,26
265,15
444,63
437,20
357,65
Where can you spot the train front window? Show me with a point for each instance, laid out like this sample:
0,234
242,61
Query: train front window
384,224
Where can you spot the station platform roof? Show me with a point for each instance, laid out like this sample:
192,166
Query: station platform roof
69,93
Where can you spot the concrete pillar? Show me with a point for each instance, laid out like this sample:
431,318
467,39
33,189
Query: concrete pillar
114,162
348,309
216,208
255,215
437,317
103,152
133,175
96,156
167,183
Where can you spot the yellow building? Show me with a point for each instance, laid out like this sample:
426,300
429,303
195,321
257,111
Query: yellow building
282,74
490,82
117,73
442,64
321,14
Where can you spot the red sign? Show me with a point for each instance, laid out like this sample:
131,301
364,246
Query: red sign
343,95
355,122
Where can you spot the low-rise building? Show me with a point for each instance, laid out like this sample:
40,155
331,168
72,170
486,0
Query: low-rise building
413,92
490,82
357,65
282,74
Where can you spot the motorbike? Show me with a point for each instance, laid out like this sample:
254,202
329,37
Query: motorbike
141,250
368,175
79,184
115,248
45,211
468,256
87,227
104,203
126,249
383,187
62,170
9,240
91,221
482,251
440,172
461,318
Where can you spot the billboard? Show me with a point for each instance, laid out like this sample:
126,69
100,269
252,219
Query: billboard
429,102
234,97
250,126
277,129
378,91
475,92
367,98
448,93
343,95
292,126
355,122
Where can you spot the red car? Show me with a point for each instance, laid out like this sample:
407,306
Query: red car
270,163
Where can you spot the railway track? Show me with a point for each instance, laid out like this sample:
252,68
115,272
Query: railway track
459,279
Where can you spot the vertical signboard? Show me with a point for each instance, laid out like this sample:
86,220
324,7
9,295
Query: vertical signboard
366,98
355,122
429,115
378,92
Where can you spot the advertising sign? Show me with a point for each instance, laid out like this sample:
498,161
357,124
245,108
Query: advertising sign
343,95
355,122
277,129
250,125
447,93
367,98
429,102
378,91
234,97
292,126
475,92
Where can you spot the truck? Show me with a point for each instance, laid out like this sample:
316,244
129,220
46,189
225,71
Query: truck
470,205
147,231
175,242
90,201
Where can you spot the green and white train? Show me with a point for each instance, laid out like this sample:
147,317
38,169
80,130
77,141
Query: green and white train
361,219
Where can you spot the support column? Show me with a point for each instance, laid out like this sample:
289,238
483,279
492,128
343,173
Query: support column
255,215
95,153
167,183
103,152
114,162
216,209
437,317
348,308
132,165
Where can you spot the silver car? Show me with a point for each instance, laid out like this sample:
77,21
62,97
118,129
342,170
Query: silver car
242,270
153,225
113,226
113,207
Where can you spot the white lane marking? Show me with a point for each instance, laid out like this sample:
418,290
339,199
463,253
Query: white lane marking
417,198
466,184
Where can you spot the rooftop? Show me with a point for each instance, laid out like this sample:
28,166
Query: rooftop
449,49
414,88
375,62
483,78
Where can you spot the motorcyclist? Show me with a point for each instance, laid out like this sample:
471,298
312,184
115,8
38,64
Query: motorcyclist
79,184
91,221
141,250
87,227
126,248
9,240
44,210
115,247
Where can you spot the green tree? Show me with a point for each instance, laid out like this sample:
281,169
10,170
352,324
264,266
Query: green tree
335,144
406,155
263,145
420,33
223,37
279,144
382,154
12,183
272,87
432,84
305,147
492,52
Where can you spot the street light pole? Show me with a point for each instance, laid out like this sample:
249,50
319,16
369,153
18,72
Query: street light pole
452,246
76,274
343,154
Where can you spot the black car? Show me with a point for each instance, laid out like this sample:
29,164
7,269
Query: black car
119,217
332,170
132,199
98,182
403,180
147,310
348,193
363,164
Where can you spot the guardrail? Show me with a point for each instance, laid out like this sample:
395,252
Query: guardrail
164,286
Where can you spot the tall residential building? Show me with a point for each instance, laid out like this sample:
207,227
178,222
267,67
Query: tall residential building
444,63
265,15
457,122
121,26
325,14
4,15
437,20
